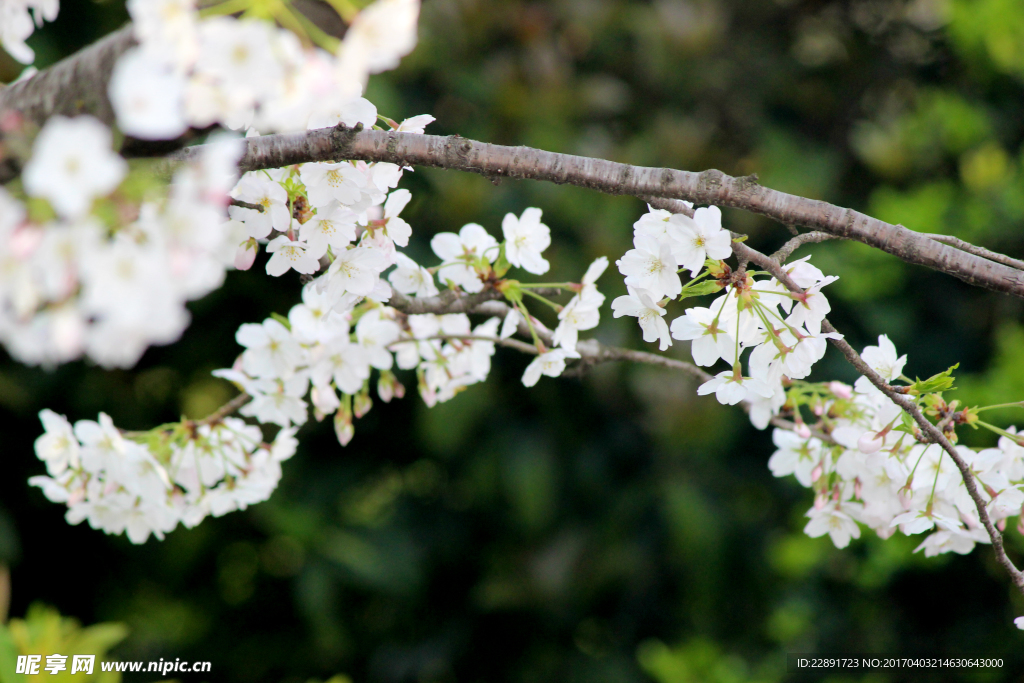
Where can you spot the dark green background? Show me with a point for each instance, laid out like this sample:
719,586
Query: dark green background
614,528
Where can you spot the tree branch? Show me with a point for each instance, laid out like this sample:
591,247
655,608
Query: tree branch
708,187
933,433
591,351
978,251
78,85
72,86
787,249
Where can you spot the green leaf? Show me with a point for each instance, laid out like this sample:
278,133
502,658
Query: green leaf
940,382
700,289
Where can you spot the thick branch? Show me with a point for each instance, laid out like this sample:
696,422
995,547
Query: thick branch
78,84
708,187
75,85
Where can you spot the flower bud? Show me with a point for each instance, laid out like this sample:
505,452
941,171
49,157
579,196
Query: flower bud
840,390
816,472
361,403
325,401
246,254
343,428
869,443
802,430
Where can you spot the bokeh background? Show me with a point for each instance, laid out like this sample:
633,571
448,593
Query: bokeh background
612,528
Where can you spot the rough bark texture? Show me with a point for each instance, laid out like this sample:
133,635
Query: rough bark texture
707,187
75,85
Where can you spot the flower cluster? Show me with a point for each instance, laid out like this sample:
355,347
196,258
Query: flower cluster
99,260
19,19
150,485
867,464
315,211
782,329
330,356
105,264
247,72
329,344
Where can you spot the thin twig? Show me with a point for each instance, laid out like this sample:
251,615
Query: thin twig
978,251
225,410
792,245
246,205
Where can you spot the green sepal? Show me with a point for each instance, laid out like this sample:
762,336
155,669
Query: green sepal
283,320
501,266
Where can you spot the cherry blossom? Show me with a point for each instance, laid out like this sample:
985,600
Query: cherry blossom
526,238
72,164
550,363
640,303
700,238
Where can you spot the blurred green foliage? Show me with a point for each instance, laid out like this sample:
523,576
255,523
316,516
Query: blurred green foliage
44,632
617,527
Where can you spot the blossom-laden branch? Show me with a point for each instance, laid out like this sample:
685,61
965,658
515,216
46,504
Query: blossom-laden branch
78,85
592,352
933,433
707,187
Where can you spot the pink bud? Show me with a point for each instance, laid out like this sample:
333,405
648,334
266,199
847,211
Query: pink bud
343,428
802,430
1001,524
869,443
820,500
840,390
385,390
818,410
816,472
246,254
361,404
857,488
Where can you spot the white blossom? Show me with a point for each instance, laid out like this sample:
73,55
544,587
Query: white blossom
72,163
640,304
526,238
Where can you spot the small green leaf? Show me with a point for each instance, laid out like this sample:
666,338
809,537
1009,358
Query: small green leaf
940,382
700,289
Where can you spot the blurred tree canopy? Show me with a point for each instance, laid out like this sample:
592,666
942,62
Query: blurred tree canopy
614,528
